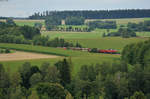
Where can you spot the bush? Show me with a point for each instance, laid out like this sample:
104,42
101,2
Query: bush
7,51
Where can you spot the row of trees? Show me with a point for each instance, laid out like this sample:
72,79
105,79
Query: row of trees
74,21
123,32
95,14
107,81
73,29
142,26
102,24
44,41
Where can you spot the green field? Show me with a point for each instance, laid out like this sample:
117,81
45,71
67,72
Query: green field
26,22
78,58
94,39
122,21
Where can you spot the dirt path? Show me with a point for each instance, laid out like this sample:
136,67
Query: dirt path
24,56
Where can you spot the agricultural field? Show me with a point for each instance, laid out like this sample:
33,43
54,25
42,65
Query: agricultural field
26,22
123,21
94,39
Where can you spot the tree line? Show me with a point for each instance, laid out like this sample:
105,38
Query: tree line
122,32
102,25
94,14
142,26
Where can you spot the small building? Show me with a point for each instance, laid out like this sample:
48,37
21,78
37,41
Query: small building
63,22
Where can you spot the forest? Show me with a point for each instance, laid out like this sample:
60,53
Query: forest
94,14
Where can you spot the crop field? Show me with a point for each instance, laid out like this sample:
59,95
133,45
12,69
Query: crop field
24,56
123,21
26,22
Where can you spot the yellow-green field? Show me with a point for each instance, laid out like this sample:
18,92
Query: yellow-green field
122,21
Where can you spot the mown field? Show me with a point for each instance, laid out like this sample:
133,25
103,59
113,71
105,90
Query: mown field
92,39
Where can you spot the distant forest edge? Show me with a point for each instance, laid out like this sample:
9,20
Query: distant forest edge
94,14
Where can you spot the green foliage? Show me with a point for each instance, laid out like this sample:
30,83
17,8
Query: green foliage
50,90
142,26
136,53
35,79
52,75
138,95
103,24
65,72
74,21
10,21
17,34
29,32
33,95
38,25
123,32
52,22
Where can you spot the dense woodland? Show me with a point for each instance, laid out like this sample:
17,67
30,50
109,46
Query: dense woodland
97,14
108,81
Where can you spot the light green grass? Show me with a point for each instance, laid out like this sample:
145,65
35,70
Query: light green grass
143,34
26,22
123,21
107,43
